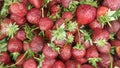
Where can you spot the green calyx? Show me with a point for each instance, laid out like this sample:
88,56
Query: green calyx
79,47
11,30
30,53
70,38
93,61
112,50
54,47
89,2
71,26
15,55
101,42
3,45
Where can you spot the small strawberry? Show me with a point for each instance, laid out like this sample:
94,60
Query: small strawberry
20,35
86,66
118,35
67,16
95,24
5,58
70,64
118,51
59,64
20,60
36,3
65,3
116,63
115,42
26,46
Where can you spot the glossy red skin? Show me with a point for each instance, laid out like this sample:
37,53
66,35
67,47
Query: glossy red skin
65,3
45,23
77,54
102,10
65,52
114,28
18,20
86,66
33,16
67,16
36,3
70,64
20,35
95,24
54,9
92,52
118,51
112,4
20,61
30,63
115,42
59,64
99,34
36,43
48,63
117,63
85,14
26,46
105,48
49,53
118,35
18,9
82,60
5,58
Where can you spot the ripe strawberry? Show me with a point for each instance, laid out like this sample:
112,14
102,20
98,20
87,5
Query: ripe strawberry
14,45
36,44
5,58
117,63
58,23
60,43
20,60
18,20
95,24
118,51
70,64
24,1
85,14
48,34
115,42
112,4
118,35
54,9
18,9
92,52
20,35
59,64
45,23
86,66
65,3
67,16
65,52
33,16
30,63
26,46
37,3
49,52
82,60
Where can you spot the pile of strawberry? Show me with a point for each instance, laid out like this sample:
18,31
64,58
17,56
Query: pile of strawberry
59,34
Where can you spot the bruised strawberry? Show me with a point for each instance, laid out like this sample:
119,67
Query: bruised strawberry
30,63
95,24
65,52
49,52
36,44
18,20
65,3
14,45
115,42
20,60
4,58
86,66
118,35
21,35
34,15
70,64
59,64
36,3
112,4
92,52
118,51
85,14
18,9
67,16
45,23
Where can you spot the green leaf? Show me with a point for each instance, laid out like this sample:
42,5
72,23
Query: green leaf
54,47
46,2
3,47
30,6
70,38
79,47
15,55
93,61
71,26
116,15
112,50
30,53
89,2
112,35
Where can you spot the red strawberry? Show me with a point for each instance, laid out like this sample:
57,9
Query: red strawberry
24,1
60,43
18,9
85,14
33,16
65,3
48,34
45,23
36,44
49,52
20,60
65,52
117,63
30,63
82,60
18,20
115,42
59,64
54,9
92,52
36,3
118,35
26,46
95,24
70,64
58,23
14,45
4,58
67,16
112,4
86,66
21,35
118,51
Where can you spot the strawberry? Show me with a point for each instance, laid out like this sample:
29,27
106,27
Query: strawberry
67,16
118,35
116,63
50,51
24,1
58,23
34,15
5,58
82,60
14,45
115,42
86,66
92,52
36,44
18,20
45,23
59,64
85,14
26,46
48,34
65,52
18,9
20,35
65,3
36,3
112,4
54,9
30,63
70,64
20,60
118,51
95,24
